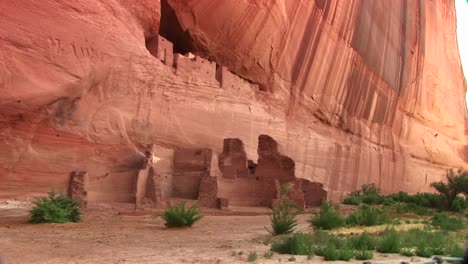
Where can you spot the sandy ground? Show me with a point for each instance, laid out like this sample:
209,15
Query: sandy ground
106,237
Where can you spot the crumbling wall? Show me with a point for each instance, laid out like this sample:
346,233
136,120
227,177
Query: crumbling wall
314,193
233,160
190,165
208,191
78,187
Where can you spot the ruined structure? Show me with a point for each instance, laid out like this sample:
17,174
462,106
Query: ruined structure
78,187
237,185
350,92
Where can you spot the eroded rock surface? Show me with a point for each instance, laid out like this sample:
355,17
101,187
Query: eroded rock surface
353,91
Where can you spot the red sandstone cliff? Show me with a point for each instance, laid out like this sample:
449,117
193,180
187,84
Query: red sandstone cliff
353,91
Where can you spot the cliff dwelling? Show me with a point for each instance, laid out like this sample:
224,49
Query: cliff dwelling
214,179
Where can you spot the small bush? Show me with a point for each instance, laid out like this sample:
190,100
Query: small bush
367,216
55,208
403,208
283,218
252,256
179,215
445,222
424,251
291,259
297,244
407,252
346,254
331,253
455,250
352,200
459,204
390,242
328,218
362,242
364,255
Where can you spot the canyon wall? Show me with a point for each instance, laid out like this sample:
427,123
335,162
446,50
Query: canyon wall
354,91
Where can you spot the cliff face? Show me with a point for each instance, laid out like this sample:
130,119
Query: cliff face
353,91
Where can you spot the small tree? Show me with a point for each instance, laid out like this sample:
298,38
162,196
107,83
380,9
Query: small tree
457,183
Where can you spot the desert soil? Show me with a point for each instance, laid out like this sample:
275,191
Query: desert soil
104,236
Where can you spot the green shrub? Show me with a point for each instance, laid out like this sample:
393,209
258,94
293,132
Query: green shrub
403,208
55,208
328,218
331,253
179,215
407,252
291,259
252,256
321,237
445,222
424,251
284,215
346,254
296,244
362,242
352,200
364,255
459,204
367,216
455,250
283,218
390,242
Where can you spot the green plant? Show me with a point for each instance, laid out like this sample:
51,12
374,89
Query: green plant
327,218
424,251
352,200
367,216
292,258
268,254
346,254
252,256
390,242
445,222
402,208
407,252
364,255
459,204
179,215
296,244
283,217
362,242
55,208
407,221
331,253
457,182
455,250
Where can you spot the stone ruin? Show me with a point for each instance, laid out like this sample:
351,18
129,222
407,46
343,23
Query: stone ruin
216,181
229,178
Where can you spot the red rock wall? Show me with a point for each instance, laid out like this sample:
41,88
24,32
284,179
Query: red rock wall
353,91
